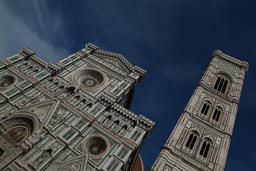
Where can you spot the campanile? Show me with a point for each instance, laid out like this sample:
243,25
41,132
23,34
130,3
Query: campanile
201,138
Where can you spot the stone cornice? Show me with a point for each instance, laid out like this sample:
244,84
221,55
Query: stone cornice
230,59
122,61
217,93
142,121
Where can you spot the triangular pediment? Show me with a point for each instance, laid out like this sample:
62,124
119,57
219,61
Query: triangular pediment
59,115
114,62
43,111
115,59
78,164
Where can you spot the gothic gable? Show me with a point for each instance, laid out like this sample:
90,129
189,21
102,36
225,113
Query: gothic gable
75,164
43,111
116,60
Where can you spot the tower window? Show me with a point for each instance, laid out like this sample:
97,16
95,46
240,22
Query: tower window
221,85
216,115
205,149
205,108
191,140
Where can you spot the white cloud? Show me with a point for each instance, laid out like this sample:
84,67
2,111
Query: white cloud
16,33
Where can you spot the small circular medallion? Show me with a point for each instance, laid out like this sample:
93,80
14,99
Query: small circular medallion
75,167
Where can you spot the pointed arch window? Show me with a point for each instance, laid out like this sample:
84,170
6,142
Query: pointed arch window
221,84
115,124
216,114
123,129
107,119
205,108
70,90
192,140
205,148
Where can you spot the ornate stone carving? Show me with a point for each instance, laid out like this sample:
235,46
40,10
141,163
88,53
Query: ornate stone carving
65,103
95,145
227,67
89,78
6,81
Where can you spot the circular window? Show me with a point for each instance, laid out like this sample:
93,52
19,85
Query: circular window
96,146
75,167
6,80
89,78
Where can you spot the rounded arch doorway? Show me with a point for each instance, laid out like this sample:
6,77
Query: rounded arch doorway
18,129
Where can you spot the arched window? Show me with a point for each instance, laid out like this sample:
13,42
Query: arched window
31,67
216,114
205,108
83,101
205,148
56,83
133,123
191,140
114,125
77,97
70,90
221,84
107,119
123,129
89,105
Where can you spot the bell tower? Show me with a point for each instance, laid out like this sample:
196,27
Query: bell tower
201,138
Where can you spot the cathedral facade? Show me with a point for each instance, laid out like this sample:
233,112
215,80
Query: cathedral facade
70,116
201,138
74,115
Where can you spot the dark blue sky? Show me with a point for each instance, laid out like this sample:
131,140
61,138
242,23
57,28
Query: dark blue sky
172,39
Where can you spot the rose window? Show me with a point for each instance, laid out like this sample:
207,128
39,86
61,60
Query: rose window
6,80
95,146
90,82
89,78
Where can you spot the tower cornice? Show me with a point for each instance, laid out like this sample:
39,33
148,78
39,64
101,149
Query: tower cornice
230,59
